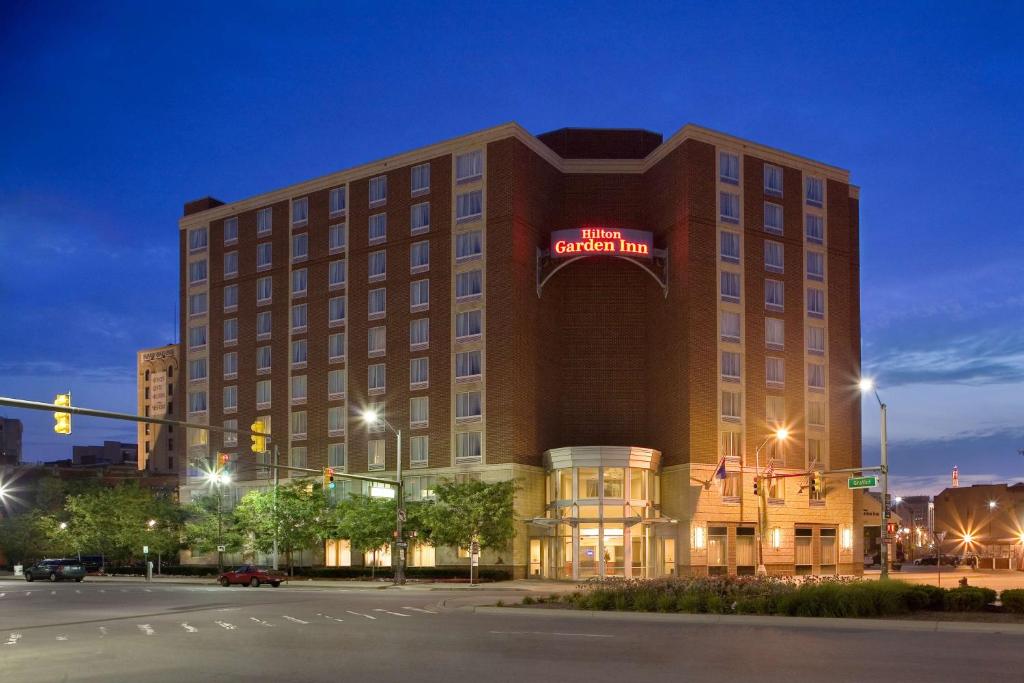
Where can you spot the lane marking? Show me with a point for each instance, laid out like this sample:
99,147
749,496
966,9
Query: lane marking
2,594
53,592
102,590
224,624
147,629
261,622
417,609
28,593
328,616
190,629
552,633
360,614
297,621
13,639
103,631
147,590
62,637
78,591
397,614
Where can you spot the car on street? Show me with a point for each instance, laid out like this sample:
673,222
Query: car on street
55,570
250,575
931,560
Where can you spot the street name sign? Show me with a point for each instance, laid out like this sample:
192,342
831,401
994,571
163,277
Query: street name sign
861,482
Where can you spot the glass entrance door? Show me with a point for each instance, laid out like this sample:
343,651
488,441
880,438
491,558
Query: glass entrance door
590,550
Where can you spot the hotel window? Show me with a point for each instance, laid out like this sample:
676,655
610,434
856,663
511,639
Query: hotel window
300,282
197,304
774,410
299,389
468,245
336,274
336,314
815,191
231,264
263,325
376,378
468,446
230,230
336,347
335,384
419,295
263,393
802,543
419,257
419,451
230,437
775,371
264,255
468,206
419,334
467,406
729,207
336,455
378,190
300,247
467,365
469,166
336,420
419,373
230,331
375,454
730,366
419,218
230,365
264,221
729,168
774,295
420,180
773,218
230,298
376,341
774,333
816,340
777,485
197,401
196,337
815,266
468,285
745,555
197,239
263,358
378,227
378,303
300,211
813,453
468,324
732,406
729,246
815,302
264,289
419,411
297,456
337,201
300,353
197,272
337,238
378,265
815,229
230,399
731,287
772,179
773,257
816,413
730,326
718,544
732,444
197,370
816,376
827,539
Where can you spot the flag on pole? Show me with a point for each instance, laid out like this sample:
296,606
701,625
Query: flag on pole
720,471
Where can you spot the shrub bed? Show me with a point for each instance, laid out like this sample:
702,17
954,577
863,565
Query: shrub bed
1013,600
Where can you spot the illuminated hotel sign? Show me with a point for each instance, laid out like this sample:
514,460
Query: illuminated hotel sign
595,241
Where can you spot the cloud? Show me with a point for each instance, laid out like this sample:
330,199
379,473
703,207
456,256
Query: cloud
995,356
115,374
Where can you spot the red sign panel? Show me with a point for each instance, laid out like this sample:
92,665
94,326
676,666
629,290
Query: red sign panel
592,241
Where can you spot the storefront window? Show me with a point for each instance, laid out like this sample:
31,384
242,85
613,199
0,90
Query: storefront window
745,552
828,551
803,551
588,483
718,545
590,549
564,484
613,481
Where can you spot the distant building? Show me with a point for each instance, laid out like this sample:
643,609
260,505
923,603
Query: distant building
156,372
10,441
986,520
110,453
871,521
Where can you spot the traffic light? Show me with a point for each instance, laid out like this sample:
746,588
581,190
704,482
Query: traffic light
259,443
330,477
223,459
63,420
756,481
814,482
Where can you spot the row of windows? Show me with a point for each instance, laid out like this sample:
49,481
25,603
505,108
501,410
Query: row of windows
775,375
774,332
729,212
732,409
774,259
774,294
729,172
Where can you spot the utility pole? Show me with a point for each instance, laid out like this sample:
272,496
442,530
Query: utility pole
885,490
277,482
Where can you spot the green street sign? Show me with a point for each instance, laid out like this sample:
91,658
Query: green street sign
862,482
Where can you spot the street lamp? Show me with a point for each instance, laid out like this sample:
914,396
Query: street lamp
217,479
372,417
780,434
992,505
867,385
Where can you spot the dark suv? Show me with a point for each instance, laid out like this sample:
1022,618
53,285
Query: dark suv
55,570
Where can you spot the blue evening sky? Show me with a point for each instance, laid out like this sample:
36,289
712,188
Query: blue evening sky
113,115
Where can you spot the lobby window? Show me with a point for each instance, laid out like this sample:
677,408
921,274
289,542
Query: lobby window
469,166
230,437
773,257
376,378
775,373
230,363
730,326
378,228
197,272
263,393
419,334
419,295
774,333
467,365
378,265
300,247
337,238
230,331
815,229
419,257
336,311
264,221
336,455
420,179
263,358
815,190
197,304
468,206
197,401
773,218
336,421
815,266
375,454
377,303
264,255
613,482
816,340
468,245
337,201
300,211
775,414
730,287
299,424
419,373
376,341
718,545
816,376
468,446
197,239
468,285
827,538
419,218
230,298
197,370
336,347
230,230
730,366
419,451
335,384
336,274
746,558
300,353
231,264
300,282
263,325
772,179
815,302
230,399
729,207
297,456
774,295
467,406
802,549
468,324
732,406
729,168
378,190
419,411
816,413
264,290
729,246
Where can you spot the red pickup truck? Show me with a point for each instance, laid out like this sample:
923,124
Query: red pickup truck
250,575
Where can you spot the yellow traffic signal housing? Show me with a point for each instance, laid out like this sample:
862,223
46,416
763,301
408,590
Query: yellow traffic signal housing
62,420
259,443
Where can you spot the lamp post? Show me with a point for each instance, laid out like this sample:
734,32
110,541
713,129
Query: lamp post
867,385
218,479
372,417
779,434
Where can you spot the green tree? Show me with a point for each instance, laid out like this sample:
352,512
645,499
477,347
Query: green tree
301,520
471,510
23,538
368,524
205,527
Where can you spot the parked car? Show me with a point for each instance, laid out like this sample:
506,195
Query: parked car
931,560
55,570
250,575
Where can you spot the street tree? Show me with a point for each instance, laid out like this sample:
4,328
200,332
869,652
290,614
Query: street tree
368,523
469,511
299,519
207,525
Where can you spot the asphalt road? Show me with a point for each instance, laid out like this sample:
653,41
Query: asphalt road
130,631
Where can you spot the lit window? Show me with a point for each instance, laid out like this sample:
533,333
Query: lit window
816,375
468,245
729,246
337,238
774,333
231,264
197,272
468,285
774,294
300,247
336,347
420,181
815,229
731,287
419,451
731,444
335,421
230,399
264,255
813,452
376,378
467,365
230,297
197,304
264,221
732,405
375,454
815,266
729,168
773,218
815,191
300,353
419,219
419,256
378,190
773,256
419,295
263,358
419,372
378,265
772,179
730,366
336,455
419,334
729,207
336,315
468,446
300,211
299,388
419,411
376,340
467,405
300,317
230,365
263,393
264,289
263,325
378,300
336,274
230,331
378,227
469,166
230,230
300,282
775,373
816,413
335,384
337,200
468,324
815,302
730,322
816,340
468,206
197,238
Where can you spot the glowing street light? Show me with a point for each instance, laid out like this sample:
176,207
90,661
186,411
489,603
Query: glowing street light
968,538
63,526
151,523
780,434
372,418
992,505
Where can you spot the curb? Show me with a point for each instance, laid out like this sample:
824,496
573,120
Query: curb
772,622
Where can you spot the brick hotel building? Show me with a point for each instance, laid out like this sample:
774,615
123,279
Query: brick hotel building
630,385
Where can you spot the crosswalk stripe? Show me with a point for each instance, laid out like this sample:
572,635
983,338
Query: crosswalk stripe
297,621
13,639
103,631
328,616
147,629
28,593
190,629
417,609
2,594
360,614
397,614
53,592
261,622
62,637
78,591
224,624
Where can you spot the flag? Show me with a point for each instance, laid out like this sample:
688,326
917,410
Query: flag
720,472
